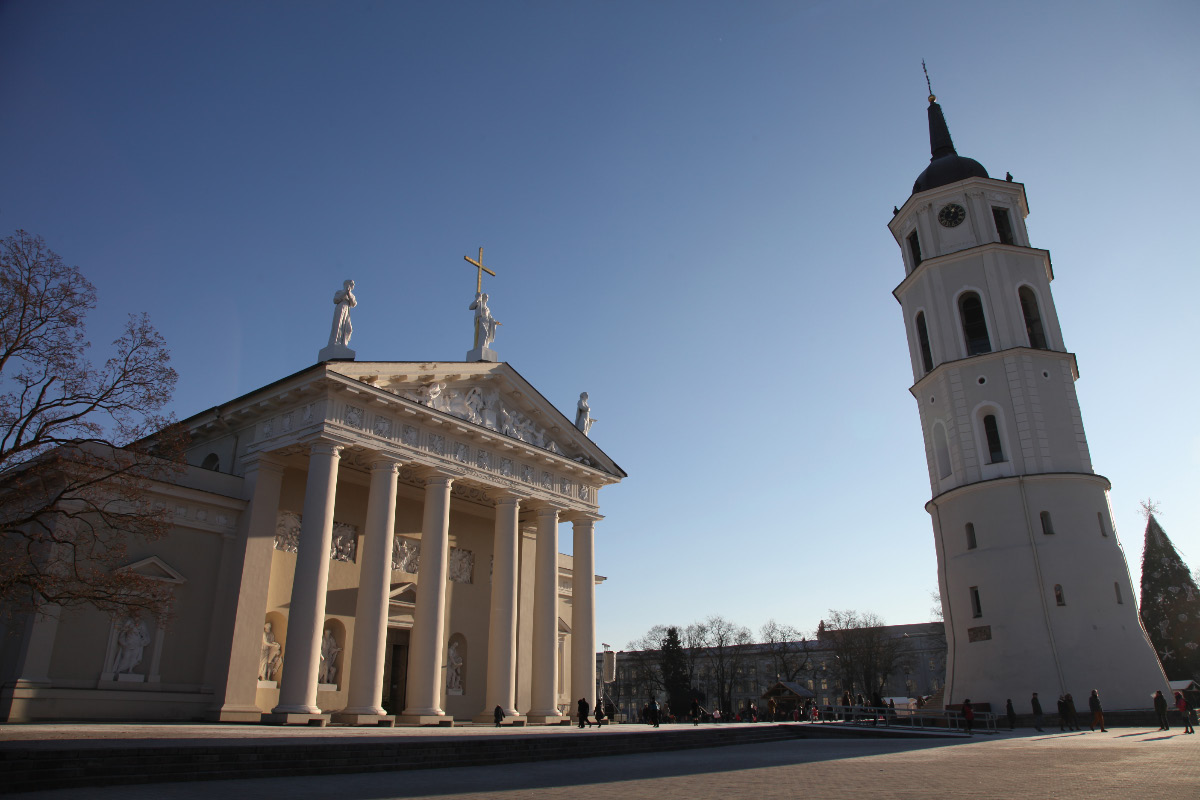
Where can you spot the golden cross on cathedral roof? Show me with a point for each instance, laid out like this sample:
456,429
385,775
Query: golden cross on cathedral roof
480,270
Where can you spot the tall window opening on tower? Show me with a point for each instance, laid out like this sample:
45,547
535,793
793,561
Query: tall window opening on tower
923,340
1058,595
974,325
941,450
971,544
1047,525
976,607
1003,225
992,432
1100,519
1033,318
1117,589
914,248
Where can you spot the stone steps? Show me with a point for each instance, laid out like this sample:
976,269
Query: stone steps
29,769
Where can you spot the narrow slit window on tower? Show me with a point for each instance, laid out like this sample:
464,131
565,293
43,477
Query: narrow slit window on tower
1047,525
1100,519
1117,589
1003,225
1058,595
974,324
976,606
941,450
992,431
1033,318
971,544
923,340
914,248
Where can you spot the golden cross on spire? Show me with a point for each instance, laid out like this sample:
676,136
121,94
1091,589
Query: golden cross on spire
480,270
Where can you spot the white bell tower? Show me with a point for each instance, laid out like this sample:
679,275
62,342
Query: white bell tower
1035,588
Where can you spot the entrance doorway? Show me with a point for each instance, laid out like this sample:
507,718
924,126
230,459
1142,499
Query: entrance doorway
395,670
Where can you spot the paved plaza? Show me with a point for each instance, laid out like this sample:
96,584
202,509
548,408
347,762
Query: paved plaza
1124,763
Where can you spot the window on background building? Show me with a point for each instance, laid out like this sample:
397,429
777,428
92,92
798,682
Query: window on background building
1047,524
976,606
923,341
1003,225
974,324
1058,595
991,431
914,249
971,545
1033,318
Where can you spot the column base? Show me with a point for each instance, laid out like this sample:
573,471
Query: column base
517,720
547,718
351,718
440,720
236,714
292,718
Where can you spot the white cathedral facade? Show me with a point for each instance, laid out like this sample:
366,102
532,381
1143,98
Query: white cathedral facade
1035,588
366,542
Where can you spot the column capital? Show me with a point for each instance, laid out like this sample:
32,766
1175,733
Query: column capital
327,447
546,510
580,517
381,462
500,499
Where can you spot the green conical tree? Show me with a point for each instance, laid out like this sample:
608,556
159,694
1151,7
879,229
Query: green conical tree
1170,605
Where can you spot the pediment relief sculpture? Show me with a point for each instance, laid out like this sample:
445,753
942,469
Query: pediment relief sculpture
479,405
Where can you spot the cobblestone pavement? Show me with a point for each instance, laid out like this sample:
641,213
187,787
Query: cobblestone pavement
1124,763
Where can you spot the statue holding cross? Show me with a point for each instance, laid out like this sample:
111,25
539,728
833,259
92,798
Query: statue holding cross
485,323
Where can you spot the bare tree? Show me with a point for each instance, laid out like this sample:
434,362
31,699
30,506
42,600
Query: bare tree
725,648
865,654
788,649
76,457
935,611
644,658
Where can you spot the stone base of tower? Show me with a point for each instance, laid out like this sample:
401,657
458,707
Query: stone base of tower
1037,596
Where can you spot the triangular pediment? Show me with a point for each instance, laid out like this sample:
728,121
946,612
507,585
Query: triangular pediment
155,569
488,394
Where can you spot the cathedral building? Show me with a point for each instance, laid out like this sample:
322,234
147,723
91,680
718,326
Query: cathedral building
1035,587
366,542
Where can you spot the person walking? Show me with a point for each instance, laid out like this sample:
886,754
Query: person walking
1012,714
1160,711
1037,711
968,712
653,712
599,714
1062,712
1072,714
1182,705
695,712
1097,711
584,709
498,715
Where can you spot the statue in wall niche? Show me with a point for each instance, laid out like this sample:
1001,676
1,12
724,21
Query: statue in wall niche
583,414
270,658
454,670
344,300
132,638
327,673
485,323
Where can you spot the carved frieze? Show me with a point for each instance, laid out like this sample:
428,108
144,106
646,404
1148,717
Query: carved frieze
406,554
462,565
383,427
506,467
483,459
481,406
342,547
354,417
436,443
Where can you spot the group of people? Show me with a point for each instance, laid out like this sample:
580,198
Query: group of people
1068,719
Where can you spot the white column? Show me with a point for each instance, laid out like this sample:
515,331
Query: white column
502,632
545,618
365,695
306,615
428,631
583,611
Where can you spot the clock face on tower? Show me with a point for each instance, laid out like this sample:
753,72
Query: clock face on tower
952,215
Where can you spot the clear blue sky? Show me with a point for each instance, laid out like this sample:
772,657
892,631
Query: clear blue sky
686,203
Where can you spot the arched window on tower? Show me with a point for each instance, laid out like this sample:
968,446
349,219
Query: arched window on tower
1033,318
992,432
211,461
974,325
914,249
923,340
971,543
